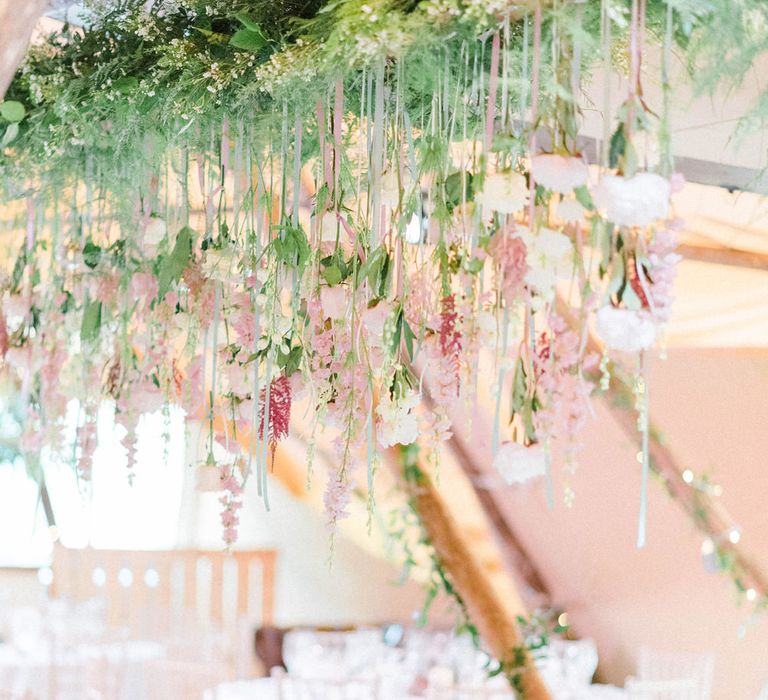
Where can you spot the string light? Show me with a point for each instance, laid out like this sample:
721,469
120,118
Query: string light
688,476
751,594
734,535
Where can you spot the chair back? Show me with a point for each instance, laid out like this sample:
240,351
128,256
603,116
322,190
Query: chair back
292,688
141,588
181,679
672,676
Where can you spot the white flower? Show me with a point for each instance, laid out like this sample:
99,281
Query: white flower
486,328
625,329
207,478
220,265
549,256
505,193
517,463
155,232
570,211
398,422
558,173
637,201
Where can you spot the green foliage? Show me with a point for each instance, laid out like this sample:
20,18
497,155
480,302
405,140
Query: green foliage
12,111
292,247
91,325
172,265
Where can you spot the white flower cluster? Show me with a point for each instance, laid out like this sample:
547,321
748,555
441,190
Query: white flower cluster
441,10
517,463
297,63
398,423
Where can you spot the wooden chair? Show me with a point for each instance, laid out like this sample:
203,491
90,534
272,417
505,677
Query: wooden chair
206,581
672,676
148,594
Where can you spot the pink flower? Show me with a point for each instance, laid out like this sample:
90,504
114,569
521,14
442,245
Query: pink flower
374,318
20,357
143,288
106,289
16,306
279,411
338,494
334,302
510,255
450,337
244,324
676,183
208,478
239,378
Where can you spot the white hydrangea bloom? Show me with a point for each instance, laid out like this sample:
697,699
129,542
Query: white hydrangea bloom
634,201
558,173
506,193
517,463
625,329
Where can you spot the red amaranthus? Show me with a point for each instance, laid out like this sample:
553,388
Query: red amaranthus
279,411
450,336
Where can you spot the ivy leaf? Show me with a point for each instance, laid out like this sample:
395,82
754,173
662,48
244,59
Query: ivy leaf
454,188
332,275
172,265
293,360
12,111
91,254
248,39
294,247
89,330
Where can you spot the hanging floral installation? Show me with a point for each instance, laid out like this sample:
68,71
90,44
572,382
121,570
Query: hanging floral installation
249,209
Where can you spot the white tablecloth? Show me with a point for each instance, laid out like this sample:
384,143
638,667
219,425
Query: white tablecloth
30,672
266,689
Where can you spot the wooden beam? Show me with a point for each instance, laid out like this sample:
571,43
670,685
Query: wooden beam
704,512
494,615
518,560
724,256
